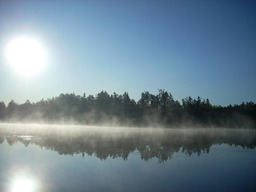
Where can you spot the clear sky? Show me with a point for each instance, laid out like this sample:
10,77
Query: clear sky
189,47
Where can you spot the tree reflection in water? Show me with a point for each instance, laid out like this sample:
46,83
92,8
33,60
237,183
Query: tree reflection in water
120,142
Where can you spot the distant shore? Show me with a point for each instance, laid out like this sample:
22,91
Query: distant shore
159,110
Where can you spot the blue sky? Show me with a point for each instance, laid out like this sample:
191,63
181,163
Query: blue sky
190,48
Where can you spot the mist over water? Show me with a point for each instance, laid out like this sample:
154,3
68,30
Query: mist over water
66,158
104,142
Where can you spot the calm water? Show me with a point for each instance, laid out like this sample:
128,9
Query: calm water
73,158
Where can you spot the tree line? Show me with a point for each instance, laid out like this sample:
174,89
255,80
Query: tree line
160,110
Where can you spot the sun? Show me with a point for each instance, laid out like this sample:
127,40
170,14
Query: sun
26,55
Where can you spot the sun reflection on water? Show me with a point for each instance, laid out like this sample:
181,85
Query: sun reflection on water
23,184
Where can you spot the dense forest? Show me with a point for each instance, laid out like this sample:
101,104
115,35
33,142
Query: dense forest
159,110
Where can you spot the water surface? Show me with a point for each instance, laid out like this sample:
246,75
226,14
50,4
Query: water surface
76,158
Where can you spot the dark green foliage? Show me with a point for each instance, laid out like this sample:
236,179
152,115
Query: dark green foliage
2,110
151,110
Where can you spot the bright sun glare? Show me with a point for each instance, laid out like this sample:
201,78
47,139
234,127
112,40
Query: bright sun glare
23,185
26,55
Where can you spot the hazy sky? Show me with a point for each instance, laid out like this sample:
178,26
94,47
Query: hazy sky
190,48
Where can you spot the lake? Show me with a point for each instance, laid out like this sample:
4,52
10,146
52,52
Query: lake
87,158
